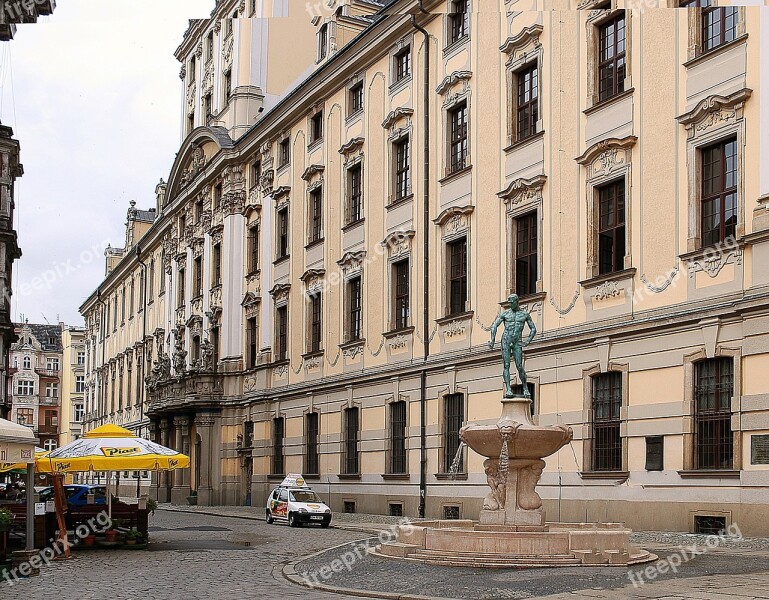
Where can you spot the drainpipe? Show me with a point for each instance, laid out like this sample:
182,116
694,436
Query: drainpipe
103,337
144,353
426,268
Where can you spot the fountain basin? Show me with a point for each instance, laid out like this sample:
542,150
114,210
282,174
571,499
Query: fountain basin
526,441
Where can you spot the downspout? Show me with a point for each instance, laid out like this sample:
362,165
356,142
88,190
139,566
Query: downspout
103,336
426,267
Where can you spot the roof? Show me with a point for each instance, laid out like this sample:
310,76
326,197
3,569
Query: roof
48,336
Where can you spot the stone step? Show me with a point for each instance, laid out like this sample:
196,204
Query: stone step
469,559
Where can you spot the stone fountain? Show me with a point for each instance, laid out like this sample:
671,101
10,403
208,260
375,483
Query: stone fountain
512,530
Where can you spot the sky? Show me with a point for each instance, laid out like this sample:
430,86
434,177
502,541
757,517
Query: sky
93,94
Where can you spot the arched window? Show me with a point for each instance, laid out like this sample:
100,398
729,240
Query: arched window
50,445
27,362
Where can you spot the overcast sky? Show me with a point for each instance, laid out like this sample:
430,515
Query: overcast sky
92,93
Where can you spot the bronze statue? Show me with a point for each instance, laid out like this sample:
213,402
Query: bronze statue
512,341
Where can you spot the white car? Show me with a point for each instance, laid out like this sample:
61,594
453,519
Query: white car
296,505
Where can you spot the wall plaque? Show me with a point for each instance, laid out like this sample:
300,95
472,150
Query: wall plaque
759,450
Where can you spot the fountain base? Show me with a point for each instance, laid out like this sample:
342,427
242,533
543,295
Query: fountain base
466,544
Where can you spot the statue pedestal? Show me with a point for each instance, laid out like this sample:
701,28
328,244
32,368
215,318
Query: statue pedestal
522,505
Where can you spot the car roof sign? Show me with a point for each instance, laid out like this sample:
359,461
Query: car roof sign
294,480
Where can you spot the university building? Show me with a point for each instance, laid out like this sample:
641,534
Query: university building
353,202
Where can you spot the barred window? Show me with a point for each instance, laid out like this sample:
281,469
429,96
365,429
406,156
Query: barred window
351,437
713,393
607,402
311,458
453,418
398,437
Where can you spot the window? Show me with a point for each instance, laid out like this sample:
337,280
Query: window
719,24
351,435
198,210
78,412
51,390
611,227
217,200
281,350
25,416
453,417
80,384
312,429
316,328
355,305
52,364
283,233
527,107
398,437
612,68
395,509
256,173
316,215
251,340
457,287
607,442
655,453
356,98
719,192
151,280
190,122
131,297
216,344
81,357
458,138
316,127
459,25
162,275
27,362
714,388
323,42
401,283
180,301
25,388
253,249
278,433
192,69
122,305
402,64
210,46
526,246
402,155
208,107
354,194
50,445
227,86
197,269
284,153
114,315
217,264
349,507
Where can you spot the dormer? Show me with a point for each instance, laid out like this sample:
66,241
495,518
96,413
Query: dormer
339,22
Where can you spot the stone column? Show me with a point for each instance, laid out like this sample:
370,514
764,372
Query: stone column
154,428
181,488
204,422
164,494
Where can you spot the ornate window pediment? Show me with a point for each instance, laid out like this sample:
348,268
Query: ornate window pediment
352,262
715,111
313,279
607,156
457,77
517,46
398,243
523,190
353,149
399,114
279,293
312,171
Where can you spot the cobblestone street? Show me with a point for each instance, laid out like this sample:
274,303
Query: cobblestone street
231,554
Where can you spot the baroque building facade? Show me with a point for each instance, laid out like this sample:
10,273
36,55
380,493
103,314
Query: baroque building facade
323,279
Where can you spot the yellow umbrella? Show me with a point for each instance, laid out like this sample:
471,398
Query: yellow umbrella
6,467
111,448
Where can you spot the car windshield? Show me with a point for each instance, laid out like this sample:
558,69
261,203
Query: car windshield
304,497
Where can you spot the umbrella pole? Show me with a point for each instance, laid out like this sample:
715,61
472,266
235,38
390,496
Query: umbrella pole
109,495
30,542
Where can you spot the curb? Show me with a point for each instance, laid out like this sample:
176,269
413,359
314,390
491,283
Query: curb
289,573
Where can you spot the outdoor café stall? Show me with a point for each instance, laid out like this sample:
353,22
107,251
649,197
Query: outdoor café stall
17,448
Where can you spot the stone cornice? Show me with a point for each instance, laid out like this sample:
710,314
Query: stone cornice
453,211
522,186
352,145
451,80
311,171
713,104
399,113
522,39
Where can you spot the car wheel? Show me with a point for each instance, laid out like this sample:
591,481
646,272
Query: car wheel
292,520
270,520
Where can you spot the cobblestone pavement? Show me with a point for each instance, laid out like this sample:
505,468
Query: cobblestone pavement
232,554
